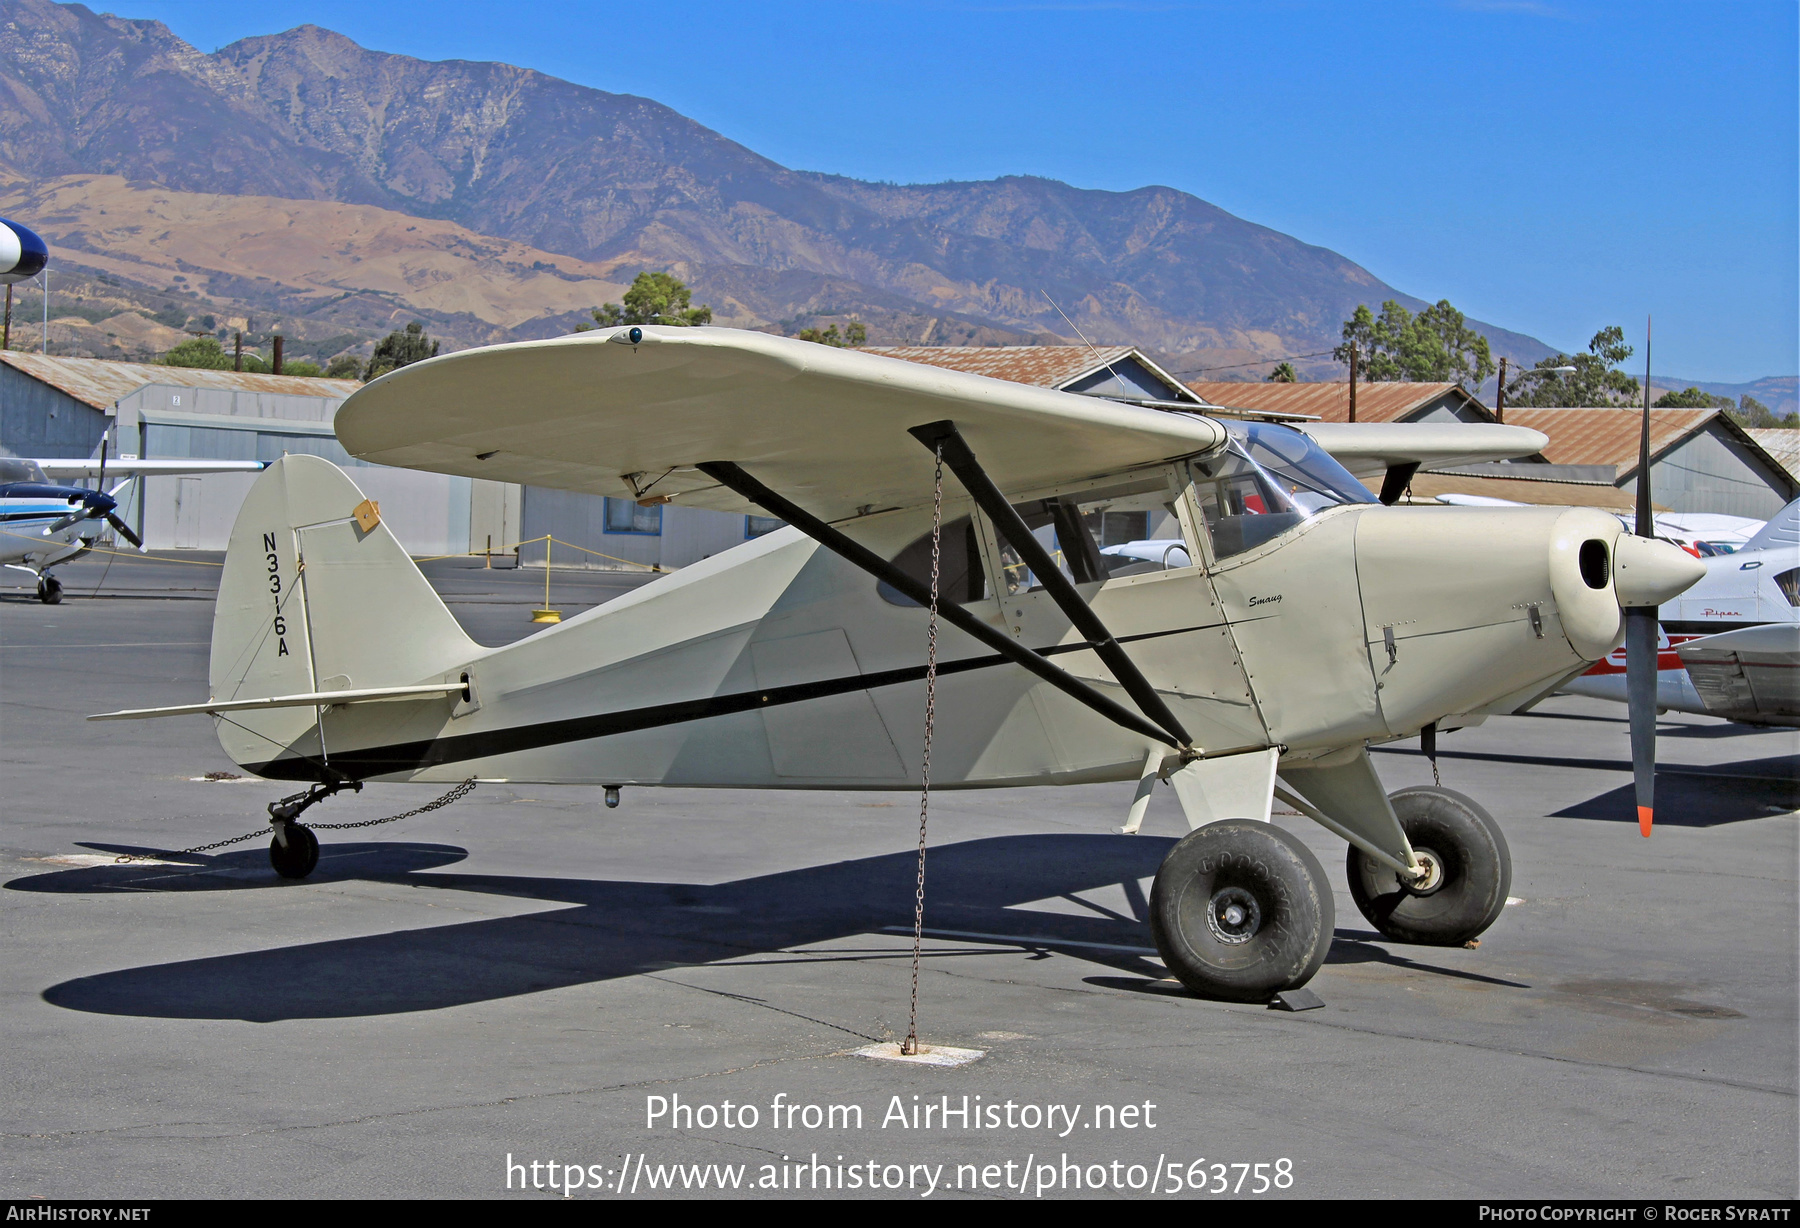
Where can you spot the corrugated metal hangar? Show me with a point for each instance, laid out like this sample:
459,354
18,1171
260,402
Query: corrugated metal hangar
64,407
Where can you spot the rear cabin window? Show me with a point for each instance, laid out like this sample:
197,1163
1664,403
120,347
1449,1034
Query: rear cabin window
960,575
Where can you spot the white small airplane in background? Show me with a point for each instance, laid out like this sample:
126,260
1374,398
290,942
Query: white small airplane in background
46,522
1705,534
1305,622
1730,645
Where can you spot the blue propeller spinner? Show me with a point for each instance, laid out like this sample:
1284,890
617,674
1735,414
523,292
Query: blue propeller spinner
22,254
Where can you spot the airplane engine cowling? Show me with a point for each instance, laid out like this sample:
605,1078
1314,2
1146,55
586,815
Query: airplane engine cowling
1583,543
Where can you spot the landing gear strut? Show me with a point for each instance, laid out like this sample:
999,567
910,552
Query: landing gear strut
294,852
1468,871
49,590
1241,910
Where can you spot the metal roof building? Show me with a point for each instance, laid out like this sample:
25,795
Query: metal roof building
1330,402
1780,442
1701,460
1102,371
64,407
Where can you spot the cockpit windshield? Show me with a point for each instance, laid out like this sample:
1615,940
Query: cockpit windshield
1269,479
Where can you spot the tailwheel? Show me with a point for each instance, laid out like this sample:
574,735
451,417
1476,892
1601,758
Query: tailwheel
50,590
1241,911
1468,871
294,851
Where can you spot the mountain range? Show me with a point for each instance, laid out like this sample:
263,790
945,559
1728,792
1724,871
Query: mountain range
302,179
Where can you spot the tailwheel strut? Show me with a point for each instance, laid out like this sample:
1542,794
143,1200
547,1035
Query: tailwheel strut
294,852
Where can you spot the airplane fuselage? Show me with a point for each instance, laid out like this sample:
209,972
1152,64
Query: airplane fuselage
779,664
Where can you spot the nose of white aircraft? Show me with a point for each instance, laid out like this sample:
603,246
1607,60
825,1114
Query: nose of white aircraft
1647,572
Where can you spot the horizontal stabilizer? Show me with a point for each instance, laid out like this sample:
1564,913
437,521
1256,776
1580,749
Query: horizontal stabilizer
145,468
313,699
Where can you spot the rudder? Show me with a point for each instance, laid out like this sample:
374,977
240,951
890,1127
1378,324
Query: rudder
309,601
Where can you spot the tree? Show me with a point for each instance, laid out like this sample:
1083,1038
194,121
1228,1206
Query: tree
855,334
400,348
1753,413
305,367
1693,398
1596,380
344,366
1282,374
205,352
1437,345
654,298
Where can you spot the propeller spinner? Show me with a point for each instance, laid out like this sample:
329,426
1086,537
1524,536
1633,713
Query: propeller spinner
98,505
22,254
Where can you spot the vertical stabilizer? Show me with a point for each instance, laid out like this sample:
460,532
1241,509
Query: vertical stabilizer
312,600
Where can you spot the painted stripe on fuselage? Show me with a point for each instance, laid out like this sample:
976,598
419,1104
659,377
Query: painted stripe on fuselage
460,748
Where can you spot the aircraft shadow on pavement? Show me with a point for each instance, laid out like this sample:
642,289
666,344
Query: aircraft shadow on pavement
1729,793
607,930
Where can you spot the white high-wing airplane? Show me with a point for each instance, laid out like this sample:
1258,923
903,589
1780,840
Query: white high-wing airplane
45,522
1730,645
1311,621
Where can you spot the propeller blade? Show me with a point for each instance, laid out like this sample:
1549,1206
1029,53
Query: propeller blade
1640,638
124,530
65,522
1640,690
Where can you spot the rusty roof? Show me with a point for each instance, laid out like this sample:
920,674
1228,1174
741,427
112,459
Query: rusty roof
1780,442
1609,436
1387,401
1047,366
101,381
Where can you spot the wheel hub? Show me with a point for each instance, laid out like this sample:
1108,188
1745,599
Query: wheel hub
1433,876
1233,915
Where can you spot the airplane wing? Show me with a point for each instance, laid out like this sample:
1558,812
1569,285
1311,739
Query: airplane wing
824,426
1368,449
145,468
1751,674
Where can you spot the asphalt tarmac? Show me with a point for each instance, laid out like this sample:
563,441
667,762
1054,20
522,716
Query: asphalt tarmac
527,974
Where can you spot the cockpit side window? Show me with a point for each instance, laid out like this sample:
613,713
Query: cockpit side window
1063,532
960,575
1268,479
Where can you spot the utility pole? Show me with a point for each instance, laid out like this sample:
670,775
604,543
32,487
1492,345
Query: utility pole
276,363
237,361
1500,394
6,332
1353,355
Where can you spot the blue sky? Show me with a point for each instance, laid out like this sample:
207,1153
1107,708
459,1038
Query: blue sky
1550,166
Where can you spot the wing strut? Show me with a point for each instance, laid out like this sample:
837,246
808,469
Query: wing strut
731,476
1062,590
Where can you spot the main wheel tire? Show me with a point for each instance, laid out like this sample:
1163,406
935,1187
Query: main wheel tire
50,590
1241,910
1471,871
299,856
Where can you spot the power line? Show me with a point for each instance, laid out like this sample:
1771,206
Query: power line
1258,363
